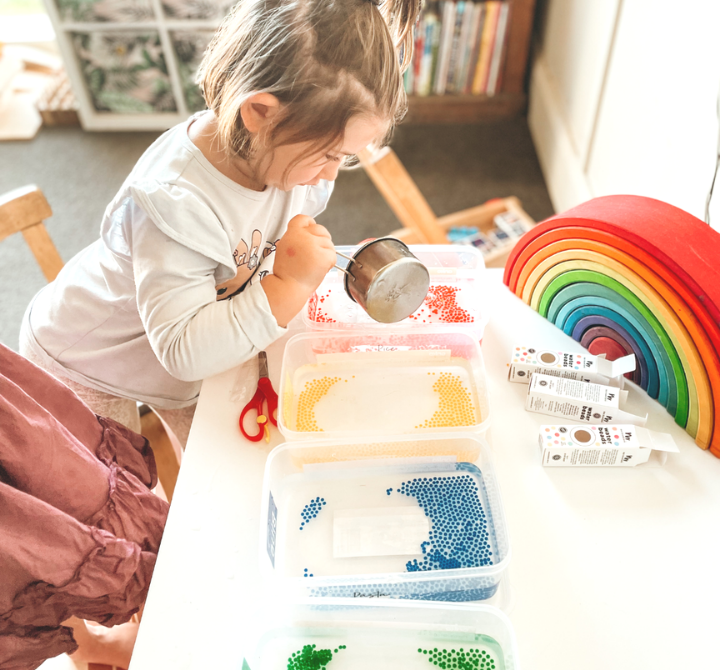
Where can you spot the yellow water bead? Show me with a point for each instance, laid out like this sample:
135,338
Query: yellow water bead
456,404
314,391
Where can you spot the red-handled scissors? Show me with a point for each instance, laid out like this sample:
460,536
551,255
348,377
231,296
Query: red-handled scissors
265,393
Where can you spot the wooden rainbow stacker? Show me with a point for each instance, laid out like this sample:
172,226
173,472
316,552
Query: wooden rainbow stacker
627,274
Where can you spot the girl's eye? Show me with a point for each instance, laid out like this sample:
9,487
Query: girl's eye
335,159
351,161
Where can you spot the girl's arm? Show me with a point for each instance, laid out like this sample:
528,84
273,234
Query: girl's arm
194,335
303,256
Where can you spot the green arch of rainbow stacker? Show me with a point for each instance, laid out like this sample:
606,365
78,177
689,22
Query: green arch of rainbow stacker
688,408
628,305
607,304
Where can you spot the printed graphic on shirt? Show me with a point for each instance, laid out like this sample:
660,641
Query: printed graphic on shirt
247,260
270,248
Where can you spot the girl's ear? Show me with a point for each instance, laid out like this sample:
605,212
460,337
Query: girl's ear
258,112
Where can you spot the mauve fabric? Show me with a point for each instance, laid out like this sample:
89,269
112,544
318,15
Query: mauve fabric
79,525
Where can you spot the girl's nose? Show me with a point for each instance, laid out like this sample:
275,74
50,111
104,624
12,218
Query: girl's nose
330,171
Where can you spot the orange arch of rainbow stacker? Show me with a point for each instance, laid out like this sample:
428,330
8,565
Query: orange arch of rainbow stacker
707,355
665,257
665,324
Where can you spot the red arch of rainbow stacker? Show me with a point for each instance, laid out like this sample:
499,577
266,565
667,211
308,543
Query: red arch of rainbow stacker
663,267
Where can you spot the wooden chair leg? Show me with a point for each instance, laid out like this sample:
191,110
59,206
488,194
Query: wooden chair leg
168,467
402,195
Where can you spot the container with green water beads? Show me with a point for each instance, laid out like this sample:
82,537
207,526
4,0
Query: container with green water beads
383,635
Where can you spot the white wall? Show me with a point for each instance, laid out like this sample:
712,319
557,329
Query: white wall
623,100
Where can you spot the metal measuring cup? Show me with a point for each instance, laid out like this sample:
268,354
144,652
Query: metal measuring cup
386,279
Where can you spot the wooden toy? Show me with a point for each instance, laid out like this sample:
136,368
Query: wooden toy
628,274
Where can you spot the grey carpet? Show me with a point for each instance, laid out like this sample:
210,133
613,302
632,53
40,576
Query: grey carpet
455,167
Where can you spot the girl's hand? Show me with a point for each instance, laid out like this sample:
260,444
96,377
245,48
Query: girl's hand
303,256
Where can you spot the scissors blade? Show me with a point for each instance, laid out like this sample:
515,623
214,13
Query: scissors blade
262,362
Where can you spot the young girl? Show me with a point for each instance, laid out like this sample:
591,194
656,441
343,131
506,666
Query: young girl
209,248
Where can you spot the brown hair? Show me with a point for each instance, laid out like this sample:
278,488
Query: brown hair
325,60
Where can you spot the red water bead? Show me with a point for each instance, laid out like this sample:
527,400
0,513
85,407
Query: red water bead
315,313
312,306
442,300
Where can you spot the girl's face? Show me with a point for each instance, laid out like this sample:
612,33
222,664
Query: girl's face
309,169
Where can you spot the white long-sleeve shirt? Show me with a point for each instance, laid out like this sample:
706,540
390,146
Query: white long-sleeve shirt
170,293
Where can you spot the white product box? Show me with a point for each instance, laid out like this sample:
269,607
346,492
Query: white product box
582,367
578,400
625,445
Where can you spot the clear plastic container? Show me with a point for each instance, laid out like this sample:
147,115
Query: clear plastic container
383,635
421,528
455,298
358,383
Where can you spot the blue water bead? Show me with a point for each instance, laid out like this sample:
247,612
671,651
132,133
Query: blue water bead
311,510
459,536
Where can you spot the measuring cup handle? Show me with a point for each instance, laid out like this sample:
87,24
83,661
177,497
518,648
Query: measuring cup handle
351,259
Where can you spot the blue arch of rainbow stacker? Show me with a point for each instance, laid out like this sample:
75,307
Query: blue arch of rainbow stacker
575,297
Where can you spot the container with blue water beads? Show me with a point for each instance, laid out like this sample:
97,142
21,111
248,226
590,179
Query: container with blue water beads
421,528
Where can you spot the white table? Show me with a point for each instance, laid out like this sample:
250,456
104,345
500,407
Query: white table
611,567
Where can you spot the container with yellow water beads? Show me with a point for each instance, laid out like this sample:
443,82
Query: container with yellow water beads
354,384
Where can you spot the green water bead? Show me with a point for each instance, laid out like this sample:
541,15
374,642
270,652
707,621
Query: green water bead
310,658
459,659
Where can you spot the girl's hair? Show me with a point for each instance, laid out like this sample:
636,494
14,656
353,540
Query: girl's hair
325,60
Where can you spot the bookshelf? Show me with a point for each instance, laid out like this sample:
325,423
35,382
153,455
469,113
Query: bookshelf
509,100
131,63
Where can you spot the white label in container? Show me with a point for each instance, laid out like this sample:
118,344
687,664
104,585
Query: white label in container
384,531
271,528
364,348
378,347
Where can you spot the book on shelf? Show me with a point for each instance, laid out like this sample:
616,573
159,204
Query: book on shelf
460,48
498,52
446,38
486,46
427,58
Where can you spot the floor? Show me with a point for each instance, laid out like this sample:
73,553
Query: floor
455,167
